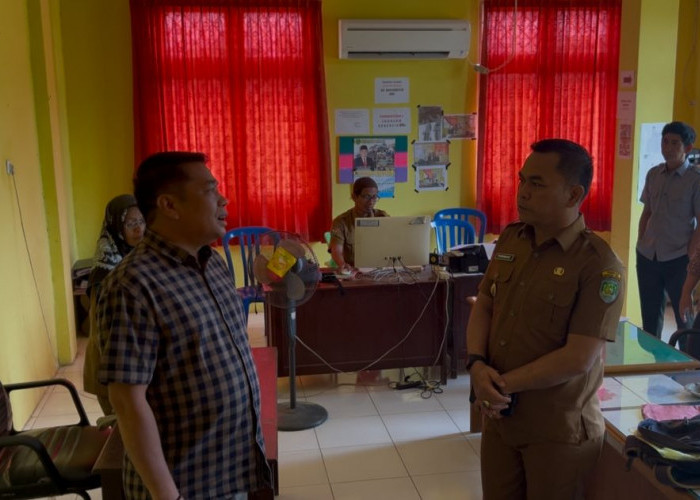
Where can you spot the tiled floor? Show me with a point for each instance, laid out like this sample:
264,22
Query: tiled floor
378,443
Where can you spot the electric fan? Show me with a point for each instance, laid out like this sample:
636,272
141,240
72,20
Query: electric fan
289,272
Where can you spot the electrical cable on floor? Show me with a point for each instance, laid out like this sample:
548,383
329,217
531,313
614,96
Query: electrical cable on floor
427,387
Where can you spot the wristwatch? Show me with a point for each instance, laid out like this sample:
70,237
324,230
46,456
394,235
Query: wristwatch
473,358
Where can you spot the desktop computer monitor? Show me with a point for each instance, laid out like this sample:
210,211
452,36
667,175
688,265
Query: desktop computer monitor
392,241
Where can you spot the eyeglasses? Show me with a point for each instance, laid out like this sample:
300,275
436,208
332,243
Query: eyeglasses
134,223
368,197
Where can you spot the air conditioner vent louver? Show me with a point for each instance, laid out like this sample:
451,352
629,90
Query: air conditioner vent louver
403,39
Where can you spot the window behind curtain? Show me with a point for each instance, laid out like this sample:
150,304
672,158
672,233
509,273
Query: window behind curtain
243,82
562,82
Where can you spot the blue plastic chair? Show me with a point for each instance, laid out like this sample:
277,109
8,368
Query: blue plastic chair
470,215
248,239
452,232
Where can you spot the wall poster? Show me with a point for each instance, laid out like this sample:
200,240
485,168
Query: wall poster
384,158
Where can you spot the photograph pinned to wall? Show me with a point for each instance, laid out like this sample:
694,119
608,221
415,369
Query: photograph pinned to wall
429,123
431,178
379,157
431,153
374,157
459,126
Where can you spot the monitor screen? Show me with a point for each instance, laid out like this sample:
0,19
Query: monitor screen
392,241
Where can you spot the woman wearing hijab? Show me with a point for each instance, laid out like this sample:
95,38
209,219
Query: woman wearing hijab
122,229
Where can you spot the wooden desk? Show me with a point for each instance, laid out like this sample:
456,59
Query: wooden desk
462,287
109,463
353,326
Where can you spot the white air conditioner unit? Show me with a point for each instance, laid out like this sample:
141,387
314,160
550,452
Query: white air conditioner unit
403,39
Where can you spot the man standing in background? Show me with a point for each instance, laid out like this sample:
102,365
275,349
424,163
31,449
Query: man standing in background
668,230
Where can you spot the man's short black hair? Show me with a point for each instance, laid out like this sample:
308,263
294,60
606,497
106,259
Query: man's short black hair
363,147
686,132
158,172
363,183
575,164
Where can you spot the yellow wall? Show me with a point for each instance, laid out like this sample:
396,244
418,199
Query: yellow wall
96,38
687,98
648,47
447,83
28,328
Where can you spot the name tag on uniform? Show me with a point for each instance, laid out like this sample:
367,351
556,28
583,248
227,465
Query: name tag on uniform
506,257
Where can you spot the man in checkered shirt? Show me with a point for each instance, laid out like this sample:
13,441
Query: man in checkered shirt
175,353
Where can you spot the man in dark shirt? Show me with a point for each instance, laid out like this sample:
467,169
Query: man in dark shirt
175,354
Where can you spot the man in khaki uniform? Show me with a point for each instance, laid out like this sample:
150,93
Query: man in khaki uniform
550,299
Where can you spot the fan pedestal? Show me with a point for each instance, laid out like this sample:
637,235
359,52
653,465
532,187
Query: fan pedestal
303,416
295,416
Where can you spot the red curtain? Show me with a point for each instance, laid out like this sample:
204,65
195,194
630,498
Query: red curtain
243,82
561,82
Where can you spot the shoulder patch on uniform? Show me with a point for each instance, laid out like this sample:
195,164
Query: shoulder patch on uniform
609,273
609,286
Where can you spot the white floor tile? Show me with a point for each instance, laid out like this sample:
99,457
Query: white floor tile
60,402
454,397
359,463
76,377
302,468
403,401
343,403
462,485
297,441
461,418
384,489
420,426
352,431
438,455
474,441
43,421
315,492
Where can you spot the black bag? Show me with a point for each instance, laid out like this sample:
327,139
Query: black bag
681,435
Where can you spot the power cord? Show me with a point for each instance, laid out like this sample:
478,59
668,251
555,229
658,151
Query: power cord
427,387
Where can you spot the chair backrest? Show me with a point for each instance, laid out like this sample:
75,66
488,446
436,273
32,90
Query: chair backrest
5,412
452,232
470,215
688,339
249,242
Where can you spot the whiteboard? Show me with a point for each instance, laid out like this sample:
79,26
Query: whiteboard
649,151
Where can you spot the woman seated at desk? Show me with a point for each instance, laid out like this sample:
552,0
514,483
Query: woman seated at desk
342,244
122,229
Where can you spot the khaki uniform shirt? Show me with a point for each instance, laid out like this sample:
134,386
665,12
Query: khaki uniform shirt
569,284
343,230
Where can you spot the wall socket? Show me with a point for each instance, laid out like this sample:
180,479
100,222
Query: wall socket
9,167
